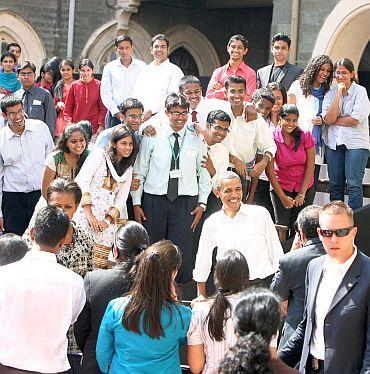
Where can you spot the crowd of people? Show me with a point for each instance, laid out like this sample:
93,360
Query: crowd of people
116,194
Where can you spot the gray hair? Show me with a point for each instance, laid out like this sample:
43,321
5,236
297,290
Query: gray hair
219,177
308,221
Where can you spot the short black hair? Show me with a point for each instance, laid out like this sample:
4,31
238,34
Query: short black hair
160,37
239,37
130,103
85,62
281,36
9,101
308,221
122,38
8,54
13,44
26,64
12,248
263,93
51,226
235,79
64,186
188,79
175,99
219,115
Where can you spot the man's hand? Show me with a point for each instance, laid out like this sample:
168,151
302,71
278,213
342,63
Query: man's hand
146,115
240,167
197,213
139,214
198,299
250,113
217,86
135,183
208,164
150,131
99,130
119,116
258,168
2,224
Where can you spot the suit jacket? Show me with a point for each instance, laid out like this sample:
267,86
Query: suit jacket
101,287
346,330
287,76
289,283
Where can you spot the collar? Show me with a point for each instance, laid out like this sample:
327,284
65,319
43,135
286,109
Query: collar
170,131
31,90
242,210
243,66
37,254
27,127
312,241
329,264
162,64
133,62
352,88
278,135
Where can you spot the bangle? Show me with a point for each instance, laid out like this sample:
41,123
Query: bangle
113,213
86,199
106,220
203,206
299,194
268,155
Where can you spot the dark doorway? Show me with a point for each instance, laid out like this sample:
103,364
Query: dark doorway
182,58
364,69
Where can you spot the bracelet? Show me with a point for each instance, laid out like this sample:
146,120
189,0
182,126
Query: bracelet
203,206
113,213
299,194
268,155
86,199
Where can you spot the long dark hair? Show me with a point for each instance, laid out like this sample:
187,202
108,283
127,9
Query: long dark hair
310,73
58,90
285,110
257,318
61,143
130,241
120,132
153,289
231,276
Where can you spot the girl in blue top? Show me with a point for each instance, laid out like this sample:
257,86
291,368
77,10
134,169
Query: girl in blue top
141,332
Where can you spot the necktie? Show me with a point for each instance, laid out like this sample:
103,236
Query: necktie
25,101
173,183
194,116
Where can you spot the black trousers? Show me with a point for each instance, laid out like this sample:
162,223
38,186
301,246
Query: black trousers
111,121
262,197
172,221
17,210
264,282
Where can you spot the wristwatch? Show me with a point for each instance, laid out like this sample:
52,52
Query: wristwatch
203,206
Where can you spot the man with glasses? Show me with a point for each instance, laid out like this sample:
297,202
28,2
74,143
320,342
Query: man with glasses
176,186
334,335
24,145
37,102
118,80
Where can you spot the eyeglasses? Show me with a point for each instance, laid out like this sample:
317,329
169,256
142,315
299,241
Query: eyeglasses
26,74
134,116
338,232
13,114
178,114
219,128
341,73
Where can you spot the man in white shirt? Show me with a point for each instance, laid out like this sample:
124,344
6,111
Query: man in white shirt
246,137
118,80
39,300
246,228
334,335
24,145
157,79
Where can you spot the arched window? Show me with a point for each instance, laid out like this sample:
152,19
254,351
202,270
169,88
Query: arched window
182,58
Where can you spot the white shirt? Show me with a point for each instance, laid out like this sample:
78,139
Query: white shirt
117,83
155,83
22,157
245,138
332,277
39,300
355,104
251,232
219,156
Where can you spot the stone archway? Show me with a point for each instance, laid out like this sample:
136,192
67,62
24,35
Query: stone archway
346,31
197,45
100,45
14,28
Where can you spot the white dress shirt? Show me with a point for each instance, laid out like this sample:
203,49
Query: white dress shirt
155,83
118,82
246,137
39,300
219,156
332,277
251,232
22,157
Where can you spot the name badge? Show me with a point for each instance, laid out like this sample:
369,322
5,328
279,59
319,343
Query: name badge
36,102
176,173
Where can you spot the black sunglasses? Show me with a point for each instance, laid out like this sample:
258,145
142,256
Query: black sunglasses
338,232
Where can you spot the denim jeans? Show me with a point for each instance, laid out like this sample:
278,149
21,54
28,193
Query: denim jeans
346,166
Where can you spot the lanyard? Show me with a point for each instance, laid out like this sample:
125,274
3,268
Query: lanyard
175,157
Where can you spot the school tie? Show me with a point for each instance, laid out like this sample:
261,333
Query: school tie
25,99
194,116
173,183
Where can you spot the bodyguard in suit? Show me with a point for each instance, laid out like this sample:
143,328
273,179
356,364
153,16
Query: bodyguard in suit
289,280
334,335
280,70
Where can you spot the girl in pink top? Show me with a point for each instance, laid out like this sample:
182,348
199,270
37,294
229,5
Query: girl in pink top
291,172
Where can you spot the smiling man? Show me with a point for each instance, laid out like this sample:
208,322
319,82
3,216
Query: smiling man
333,336
118,80
157,79
176,186
246,228
24,145
237,48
